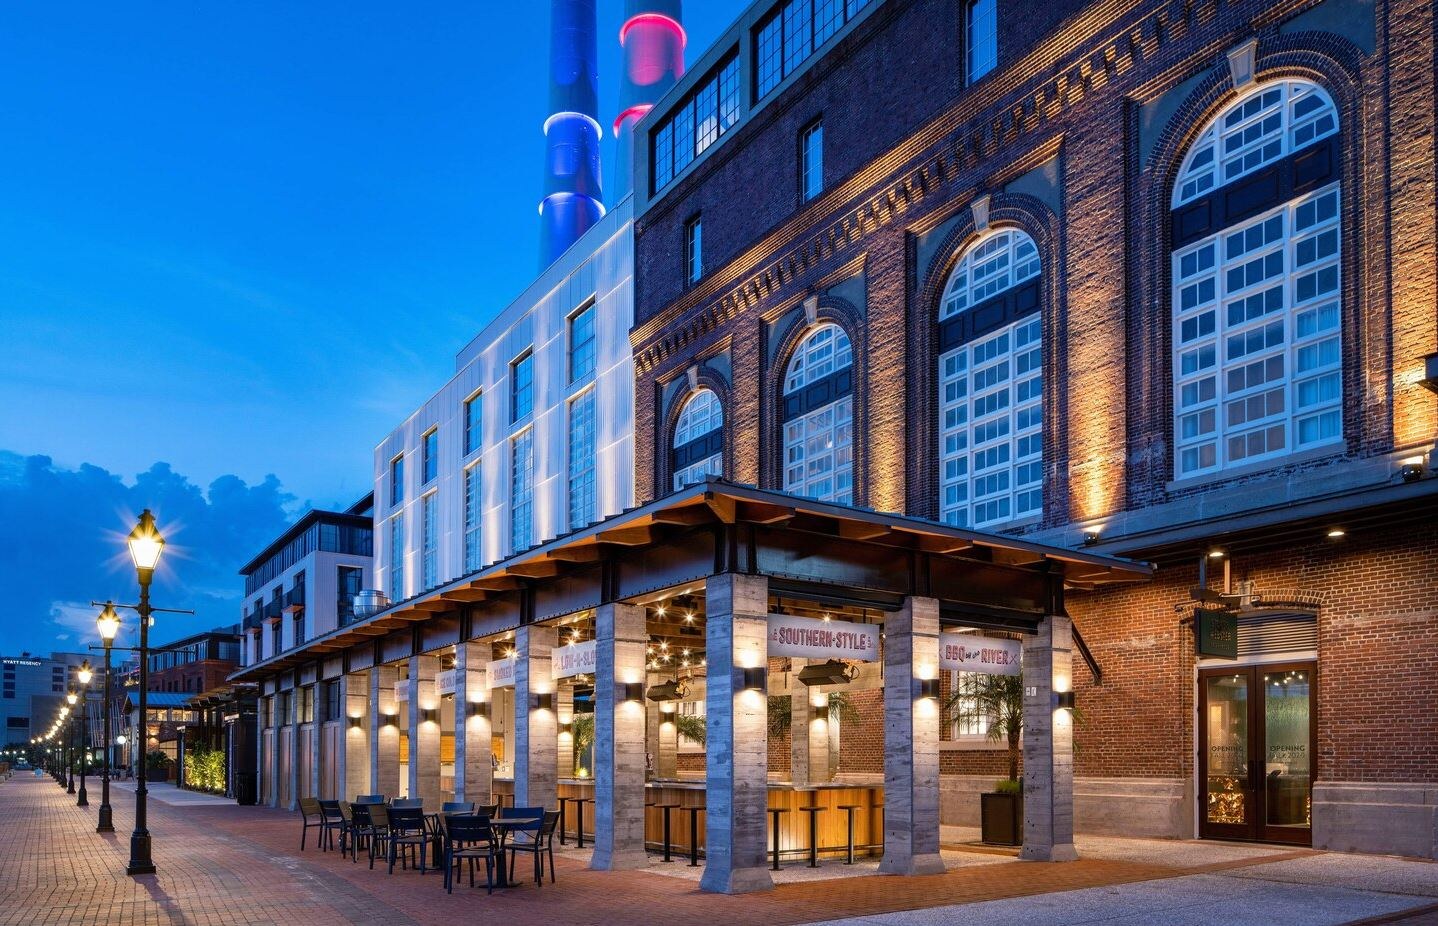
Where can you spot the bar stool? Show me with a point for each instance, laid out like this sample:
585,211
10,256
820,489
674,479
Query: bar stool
774,813
563,812
579,803
849,846
813,812
694,813
666,808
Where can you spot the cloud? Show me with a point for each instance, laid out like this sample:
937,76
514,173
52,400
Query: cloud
65,546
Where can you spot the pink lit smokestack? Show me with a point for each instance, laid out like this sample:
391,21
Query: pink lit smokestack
653,40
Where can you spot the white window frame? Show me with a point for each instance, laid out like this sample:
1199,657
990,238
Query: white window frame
581,464
990,394
473,520
819,445
703,414
982,23
429,541
396,557
521,491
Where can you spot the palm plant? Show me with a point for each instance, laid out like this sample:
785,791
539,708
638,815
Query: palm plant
1000,698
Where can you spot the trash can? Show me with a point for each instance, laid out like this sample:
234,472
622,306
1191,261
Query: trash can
246,790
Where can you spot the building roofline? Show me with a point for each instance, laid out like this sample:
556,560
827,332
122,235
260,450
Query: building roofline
306,521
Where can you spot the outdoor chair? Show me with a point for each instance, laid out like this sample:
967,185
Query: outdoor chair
487,810
332,823
346,826
536,839
406,803
371,799
408,833
311,817
460,807
371,821
469,838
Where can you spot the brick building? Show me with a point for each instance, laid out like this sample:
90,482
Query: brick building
1139,277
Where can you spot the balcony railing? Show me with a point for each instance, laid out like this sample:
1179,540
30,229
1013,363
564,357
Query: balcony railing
273,610
295,599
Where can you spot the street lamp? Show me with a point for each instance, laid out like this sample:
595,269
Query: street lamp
84,675
146,545
70,699
108,623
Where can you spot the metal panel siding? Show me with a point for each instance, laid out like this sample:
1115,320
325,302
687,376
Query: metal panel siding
1279,633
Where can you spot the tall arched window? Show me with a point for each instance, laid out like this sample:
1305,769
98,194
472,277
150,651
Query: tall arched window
699,439
818,414
991,384
1256,282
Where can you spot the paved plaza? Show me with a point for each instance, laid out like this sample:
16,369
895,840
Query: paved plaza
222,864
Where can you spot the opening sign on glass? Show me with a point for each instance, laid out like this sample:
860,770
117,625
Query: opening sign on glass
969,652
808,638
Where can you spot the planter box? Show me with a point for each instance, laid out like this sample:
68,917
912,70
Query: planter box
1002,818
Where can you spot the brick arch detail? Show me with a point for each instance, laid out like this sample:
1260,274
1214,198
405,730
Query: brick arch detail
663,452
850,319
1038,221
1333,63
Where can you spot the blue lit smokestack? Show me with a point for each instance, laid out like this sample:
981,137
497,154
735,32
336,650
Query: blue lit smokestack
573,198
653,40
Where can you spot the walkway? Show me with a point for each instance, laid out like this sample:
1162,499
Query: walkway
222,864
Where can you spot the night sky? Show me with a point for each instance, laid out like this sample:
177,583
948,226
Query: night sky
238,244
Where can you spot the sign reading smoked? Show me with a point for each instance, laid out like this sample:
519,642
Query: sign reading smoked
501,673
808,638
968,652
574,659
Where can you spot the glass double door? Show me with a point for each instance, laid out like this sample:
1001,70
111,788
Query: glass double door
1255,752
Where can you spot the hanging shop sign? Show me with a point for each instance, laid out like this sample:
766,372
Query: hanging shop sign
808,638
501,673
401,691
444,682
969,652
574,659
1216,633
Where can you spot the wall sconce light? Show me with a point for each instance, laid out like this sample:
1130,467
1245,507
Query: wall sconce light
479,709
356,723
928,689
631,691
1217,553
1411,468
1064,700
1336,533
566,726
544,701
1090,536
754,678
820,711
428,715
390,720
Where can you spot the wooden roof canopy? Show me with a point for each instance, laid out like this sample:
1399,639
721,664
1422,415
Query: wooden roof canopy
722,526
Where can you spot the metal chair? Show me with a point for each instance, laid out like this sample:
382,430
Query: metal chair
333,822
408,832
371,799
469,838
346,826
460,807
535,837
406,803
311,817
371,823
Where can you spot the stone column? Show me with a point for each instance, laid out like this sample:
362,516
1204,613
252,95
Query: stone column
666,756
737,746
473,769
424,734
316,735
620,636
384,731
1048,744
536,732
292,732
353,772
911,741
564,713
808,735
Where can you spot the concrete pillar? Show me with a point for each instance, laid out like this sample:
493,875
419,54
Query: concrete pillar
666,756
1048,744
424,734
384,731
353,759
620,637
473,769
911,741
808,734
316,735
737,746
564,713
536,731
292,732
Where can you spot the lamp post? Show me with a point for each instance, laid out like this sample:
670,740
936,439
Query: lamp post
84,676
146,545
108,623
70,699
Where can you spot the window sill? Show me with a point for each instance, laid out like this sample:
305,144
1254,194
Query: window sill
1334,450
976,744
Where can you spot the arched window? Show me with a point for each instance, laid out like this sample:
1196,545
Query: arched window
818,414
1256,282
991,384
699,439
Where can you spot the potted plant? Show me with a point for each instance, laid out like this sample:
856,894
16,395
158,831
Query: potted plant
1001,699
157,766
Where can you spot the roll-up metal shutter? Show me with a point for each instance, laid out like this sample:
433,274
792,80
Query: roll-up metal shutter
1285,632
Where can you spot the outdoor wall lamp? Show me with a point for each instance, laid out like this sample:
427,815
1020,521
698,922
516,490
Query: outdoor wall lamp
566,726
356,723
1090,536
1064,700
390,720
928,689
821,711
631,691
754,678
1411,469
544,701
479,709
429,715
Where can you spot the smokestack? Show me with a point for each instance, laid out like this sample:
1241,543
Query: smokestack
573,198
653,40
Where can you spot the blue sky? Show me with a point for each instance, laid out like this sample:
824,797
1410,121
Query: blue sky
244,241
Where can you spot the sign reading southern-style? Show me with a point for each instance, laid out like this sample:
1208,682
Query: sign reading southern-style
1216,632
809,638
444,681
969,652
574,659
501,673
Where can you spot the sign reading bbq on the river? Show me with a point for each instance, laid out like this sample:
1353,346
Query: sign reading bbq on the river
808,638
968,652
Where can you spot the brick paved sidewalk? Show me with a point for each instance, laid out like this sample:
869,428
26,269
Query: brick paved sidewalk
241,865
